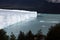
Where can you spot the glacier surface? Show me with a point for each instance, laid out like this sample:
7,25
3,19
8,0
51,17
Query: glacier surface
9,17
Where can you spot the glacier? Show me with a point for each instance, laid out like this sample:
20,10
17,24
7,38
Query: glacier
9,17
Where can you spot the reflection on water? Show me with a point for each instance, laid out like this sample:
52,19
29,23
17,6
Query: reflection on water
43,21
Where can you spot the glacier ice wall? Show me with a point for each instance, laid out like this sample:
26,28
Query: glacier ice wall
9,17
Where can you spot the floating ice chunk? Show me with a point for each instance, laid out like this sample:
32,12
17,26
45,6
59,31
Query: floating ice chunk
42,21
49,21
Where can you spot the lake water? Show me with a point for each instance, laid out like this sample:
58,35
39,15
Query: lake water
43,22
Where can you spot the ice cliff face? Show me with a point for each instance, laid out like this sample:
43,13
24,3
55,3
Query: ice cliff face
9,17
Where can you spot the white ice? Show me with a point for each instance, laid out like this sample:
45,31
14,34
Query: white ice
9,17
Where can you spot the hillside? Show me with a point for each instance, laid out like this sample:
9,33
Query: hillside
41,6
